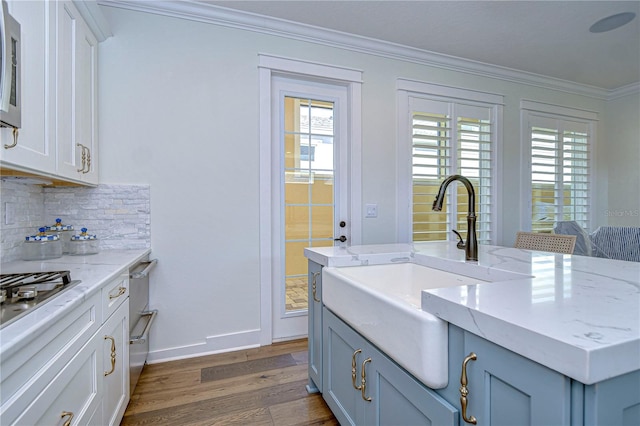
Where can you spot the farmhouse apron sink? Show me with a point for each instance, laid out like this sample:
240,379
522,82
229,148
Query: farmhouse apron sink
383,303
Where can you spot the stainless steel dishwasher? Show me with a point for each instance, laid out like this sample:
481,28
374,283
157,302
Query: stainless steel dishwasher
140,318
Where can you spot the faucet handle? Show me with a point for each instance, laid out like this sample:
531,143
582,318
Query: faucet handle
460,244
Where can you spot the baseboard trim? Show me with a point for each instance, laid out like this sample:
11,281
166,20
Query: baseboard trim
213,345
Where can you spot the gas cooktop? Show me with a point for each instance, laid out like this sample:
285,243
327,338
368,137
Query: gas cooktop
22,293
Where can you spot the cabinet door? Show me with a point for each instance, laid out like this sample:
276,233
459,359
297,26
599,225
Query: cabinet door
76,137
74,394
391,396
315,327
35,149
397,398
613,402
342,346
508,389
115,368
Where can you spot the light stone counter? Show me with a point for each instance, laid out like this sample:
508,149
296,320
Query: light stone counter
577,315
93,271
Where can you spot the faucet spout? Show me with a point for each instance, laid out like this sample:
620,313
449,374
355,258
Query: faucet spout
470,246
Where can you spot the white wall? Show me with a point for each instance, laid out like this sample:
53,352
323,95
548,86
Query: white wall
179,111
620,151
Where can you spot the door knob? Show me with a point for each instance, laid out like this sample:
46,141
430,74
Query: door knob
342,239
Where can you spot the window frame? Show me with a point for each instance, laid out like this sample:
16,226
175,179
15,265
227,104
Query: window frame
406,91
564,114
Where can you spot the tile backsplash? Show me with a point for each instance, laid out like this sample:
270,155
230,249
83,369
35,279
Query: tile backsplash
118,214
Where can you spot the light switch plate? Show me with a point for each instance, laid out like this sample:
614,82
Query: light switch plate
371,210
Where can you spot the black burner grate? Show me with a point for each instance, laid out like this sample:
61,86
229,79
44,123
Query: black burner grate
30,278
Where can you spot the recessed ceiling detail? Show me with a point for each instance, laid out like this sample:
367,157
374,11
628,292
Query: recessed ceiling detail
612,22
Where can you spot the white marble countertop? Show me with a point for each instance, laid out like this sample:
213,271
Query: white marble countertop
93,271
577,315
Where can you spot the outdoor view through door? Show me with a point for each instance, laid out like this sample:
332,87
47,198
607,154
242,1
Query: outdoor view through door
308,189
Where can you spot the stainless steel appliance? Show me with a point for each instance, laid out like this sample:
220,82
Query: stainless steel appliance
10,63
140,318
23,292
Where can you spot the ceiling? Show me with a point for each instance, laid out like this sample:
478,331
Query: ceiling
549,38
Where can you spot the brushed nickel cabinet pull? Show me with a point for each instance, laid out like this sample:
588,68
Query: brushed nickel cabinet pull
67,414
113,355
363,388
464,392
353,370
313,286
15,139
121,291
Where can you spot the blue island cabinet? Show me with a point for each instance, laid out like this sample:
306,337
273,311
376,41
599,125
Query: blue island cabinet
362,386
315,327
507,389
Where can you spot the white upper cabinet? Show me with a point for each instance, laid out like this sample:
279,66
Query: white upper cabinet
34,146
59,134
77,55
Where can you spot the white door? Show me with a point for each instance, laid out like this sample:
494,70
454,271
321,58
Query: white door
309,192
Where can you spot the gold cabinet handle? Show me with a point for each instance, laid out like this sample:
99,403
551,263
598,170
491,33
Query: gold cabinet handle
67,414
353,370
464,392
121,291
15,139
88,161
363,388
84,158
113,355
313,286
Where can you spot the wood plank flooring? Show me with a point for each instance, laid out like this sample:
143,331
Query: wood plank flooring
261,386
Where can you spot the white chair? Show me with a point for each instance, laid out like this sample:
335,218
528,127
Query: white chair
546,242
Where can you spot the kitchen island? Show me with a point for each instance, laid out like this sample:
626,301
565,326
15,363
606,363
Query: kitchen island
67,360
572,321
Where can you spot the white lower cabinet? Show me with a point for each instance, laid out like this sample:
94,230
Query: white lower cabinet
77,370
115,365
362,386
74,394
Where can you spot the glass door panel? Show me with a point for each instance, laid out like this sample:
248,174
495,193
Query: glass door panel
308,189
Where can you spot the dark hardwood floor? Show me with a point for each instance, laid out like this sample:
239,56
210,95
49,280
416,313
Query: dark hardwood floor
261,386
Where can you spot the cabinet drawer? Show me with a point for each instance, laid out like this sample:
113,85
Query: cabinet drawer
75,390
47,353
113,294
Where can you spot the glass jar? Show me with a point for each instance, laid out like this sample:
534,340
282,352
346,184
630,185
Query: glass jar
41,246
83,244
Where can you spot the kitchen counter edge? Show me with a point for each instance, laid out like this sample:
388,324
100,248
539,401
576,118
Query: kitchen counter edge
93,271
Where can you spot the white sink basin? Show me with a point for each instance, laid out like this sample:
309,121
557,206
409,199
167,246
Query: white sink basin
383,303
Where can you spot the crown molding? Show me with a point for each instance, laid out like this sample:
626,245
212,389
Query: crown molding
94,18
629,89
204,12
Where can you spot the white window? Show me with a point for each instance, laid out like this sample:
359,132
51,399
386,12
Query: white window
448,131
557,144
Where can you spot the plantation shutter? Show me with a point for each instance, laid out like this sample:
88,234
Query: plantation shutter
450,138
474,162
431,163
560,162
